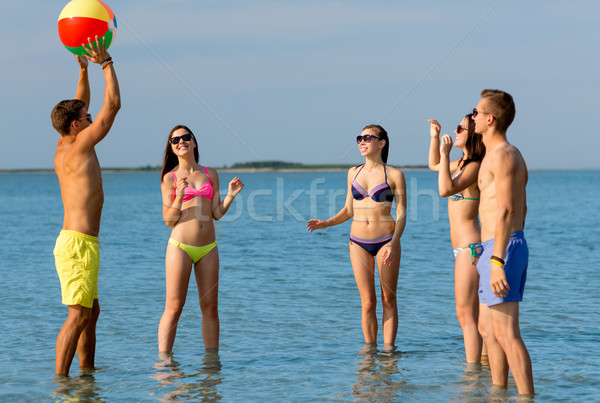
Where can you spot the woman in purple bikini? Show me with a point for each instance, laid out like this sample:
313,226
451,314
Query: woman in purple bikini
191,202
374,234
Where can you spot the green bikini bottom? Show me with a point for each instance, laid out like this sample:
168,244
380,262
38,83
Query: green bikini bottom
194,252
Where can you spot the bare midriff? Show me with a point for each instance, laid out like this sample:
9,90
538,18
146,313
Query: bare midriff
195,226
372,220
464,225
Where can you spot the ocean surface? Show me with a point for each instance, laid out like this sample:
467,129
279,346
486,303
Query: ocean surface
289,307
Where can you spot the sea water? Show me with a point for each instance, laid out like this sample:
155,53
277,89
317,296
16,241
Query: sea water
289,306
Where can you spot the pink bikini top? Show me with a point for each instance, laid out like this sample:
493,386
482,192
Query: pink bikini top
205,190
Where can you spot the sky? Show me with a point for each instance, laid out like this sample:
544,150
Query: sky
297,80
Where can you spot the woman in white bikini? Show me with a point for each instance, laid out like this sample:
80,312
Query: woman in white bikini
191,201
374,234
457,181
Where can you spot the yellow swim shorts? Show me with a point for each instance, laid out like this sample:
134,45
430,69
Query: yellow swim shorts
77,261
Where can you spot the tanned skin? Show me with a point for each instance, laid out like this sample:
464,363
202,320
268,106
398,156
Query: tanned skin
502,210
80,179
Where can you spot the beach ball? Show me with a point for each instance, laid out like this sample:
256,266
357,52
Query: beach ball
83,19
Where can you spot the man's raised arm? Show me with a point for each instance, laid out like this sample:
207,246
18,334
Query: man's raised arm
83,85
112,96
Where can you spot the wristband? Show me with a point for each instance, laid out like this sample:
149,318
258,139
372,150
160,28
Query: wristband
108,59
108,63
499,263
499,260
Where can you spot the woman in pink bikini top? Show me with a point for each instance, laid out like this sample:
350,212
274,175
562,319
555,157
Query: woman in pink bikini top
189,192
191,203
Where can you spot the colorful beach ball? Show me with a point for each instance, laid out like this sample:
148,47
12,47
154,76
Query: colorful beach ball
83,19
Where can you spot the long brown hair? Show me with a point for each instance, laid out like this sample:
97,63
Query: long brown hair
171,161
474,144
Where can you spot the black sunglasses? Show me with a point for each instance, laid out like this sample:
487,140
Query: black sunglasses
88,117
476,112
185,137
460,129
366,138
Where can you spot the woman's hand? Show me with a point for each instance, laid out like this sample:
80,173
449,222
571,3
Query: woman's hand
446,144
316,224
388,254
235,187
182,183
435,128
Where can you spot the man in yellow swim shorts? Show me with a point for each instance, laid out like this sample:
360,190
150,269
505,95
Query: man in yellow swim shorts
76,165
77,262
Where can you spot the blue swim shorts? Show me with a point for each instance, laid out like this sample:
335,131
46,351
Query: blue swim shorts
515,267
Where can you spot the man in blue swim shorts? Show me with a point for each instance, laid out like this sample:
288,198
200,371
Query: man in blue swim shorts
515,259
76,165
503,265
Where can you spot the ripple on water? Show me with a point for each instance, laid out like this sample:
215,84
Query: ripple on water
289,306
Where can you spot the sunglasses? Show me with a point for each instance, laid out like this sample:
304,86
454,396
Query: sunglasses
476,112
88,117
366,138
185,137
460,129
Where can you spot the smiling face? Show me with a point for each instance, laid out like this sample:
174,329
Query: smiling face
463,134
374,146
182,146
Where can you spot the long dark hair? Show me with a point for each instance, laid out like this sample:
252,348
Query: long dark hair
171,160
382,134
474,144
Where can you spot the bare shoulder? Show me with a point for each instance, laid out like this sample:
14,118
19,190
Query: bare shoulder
72,147
396,176
214,175
353,171
472,167
507,157
212,172
168,179
454,165
394,172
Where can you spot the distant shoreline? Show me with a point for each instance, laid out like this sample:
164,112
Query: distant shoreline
306,168
251,170
247,170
